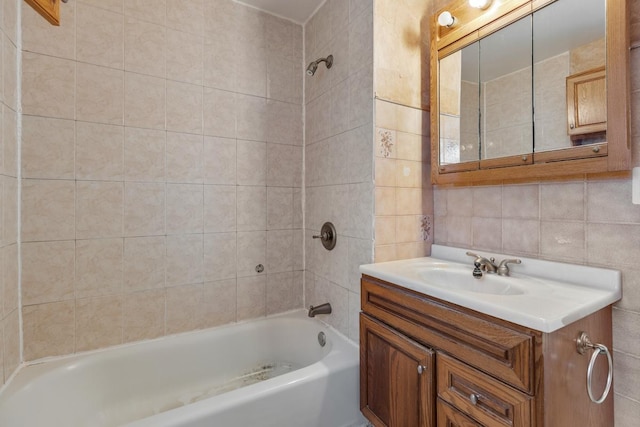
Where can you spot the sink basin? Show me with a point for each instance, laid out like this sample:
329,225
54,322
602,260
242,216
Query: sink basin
460,279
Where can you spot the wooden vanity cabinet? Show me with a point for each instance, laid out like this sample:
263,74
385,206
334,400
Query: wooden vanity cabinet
427,362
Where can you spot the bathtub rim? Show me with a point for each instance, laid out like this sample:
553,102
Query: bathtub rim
50,363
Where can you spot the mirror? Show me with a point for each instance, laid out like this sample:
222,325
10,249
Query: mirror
526,83
569,74
506,107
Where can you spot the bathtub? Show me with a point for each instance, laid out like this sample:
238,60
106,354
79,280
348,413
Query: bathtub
270,372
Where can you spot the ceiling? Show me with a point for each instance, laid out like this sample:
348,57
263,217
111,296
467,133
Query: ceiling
295,10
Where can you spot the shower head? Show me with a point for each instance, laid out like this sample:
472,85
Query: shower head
313,66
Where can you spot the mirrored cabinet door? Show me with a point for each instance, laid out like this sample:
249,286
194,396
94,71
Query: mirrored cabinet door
506,126
570,77
460,108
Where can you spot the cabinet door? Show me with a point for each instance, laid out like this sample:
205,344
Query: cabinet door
396,378
587,102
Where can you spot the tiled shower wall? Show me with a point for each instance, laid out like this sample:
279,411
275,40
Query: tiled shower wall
586,222
161,163
9,119
339,157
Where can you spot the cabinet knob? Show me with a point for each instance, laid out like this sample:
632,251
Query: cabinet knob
421,369
596,149
571,126
473,398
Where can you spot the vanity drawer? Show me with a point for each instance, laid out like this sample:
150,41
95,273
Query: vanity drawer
449,416
482,397
493,347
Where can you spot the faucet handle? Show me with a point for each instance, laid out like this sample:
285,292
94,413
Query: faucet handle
503,268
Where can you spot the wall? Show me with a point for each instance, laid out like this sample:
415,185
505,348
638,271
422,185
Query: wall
586,222
9,123
338,157
404,199
162,161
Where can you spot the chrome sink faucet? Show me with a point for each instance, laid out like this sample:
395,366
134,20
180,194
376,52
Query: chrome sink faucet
482,264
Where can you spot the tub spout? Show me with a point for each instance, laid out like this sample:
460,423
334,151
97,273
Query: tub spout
321,309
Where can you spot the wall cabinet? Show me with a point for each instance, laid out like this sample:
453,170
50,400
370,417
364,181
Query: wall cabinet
427,362
49,9
587,103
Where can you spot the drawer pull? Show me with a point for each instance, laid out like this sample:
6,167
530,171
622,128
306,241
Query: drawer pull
421,369
474,399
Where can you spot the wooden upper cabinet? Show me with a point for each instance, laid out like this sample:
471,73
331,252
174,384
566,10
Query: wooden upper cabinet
49,9
587,102
556,112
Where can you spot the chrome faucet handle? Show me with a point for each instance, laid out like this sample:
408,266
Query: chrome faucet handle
503,268
485,264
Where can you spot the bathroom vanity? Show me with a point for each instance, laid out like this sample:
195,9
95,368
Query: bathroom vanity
443,354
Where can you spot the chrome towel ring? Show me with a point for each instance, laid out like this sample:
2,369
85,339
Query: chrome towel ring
582,344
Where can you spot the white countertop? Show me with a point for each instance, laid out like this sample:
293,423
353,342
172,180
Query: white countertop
550,294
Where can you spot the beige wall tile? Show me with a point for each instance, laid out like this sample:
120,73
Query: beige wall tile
252,208
408,228
487,233
219,208
10,20
385,200
563,201
99,36
143,315
48,147
48,210
184,259
144,259
626,384
10,142
219,63
144,101
144,154
219,302
385,171
360,98
284,123
385,229
99,94
280,251
10,211
251,116
98,322
520,201
252,298
487,201
359,156
458,230
187,15
144,47
10,74
612,245
12,344
48,272
41,37
283,293
184,158
284,165
279,208
220,254
11,291
626,331
603,195
184,107
219,160
148,10
184,53
219,113
252,248
409,201
520,236
99,209
144,209
49,329
185,308
111,5
184,208
99,266
99,152
48,86
563,240
251,68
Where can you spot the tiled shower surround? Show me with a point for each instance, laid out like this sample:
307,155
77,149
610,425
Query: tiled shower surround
161,163
162,149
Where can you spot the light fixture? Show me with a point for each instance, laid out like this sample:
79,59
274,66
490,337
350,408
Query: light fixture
479,4
446,19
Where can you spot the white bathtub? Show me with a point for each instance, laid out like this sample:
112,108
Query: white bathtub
195,380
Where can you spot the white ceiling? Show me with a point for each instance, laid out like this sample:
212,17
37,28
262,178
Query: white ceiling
295,10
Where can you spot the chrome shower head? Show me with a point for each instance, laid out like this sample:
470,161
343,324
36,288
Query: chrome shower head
313,66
